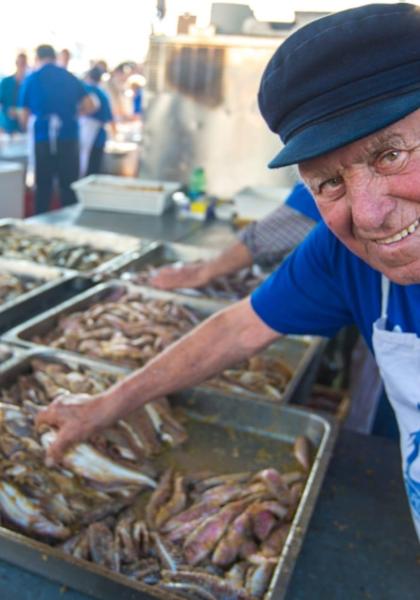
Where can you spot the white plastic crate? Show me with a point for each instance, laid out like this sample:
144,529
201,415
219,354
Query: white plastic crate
126,194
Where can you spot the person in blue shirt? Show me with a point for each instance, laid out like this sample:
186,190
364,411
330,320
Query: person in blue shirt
100,117
9,95
343,94
264,242
53,98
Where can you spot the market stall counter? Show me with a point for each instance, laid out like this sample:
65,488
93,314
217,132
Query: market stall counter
360,542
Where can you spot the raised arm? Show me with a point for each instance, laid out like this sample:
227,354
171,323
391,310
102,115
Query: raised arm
226,338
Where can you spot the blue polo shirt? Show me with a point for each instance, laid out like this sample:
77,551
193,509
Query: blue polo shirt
322,287
103,114
9,95
53,90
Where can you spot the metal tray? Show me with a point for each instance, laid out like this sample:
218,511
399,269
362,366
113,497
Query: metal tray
164,253
56,285
8,353
226,434
298,351
98,240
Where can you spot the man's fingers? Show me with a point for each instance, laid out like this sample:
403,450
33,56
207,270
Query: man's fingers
46,416
63,442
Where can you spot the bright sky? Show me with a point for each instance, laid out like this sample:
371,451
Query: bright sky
117,31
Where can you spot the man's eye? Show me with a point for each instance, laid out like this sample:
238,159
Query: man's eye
331,185
392,159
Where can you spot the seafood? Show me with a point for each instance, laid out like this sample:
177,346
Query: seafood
27,514
15,243
12,286
262,374
228,287
86,461
303,452
132,330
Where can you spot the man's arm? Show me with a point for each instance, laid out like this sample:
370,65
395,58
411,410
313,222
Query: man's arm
224,339
199,274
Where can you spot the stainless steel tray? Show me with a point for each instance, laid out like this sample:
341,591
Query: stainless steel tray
119,244
226,434
8,353
165,253
298,351
55,286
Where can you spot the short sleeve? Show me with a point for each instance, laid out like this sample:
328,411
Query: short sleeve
305,294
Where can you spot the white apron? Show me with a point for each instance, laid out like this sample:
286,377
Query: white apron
398,358
88,132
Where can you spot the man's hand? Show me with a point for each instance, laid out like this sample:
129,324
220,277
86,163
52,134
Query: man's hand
76,417
193,275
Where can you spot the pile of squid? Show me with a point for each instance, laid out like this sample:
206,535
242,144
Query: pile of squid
96,479
52,251
228,287
130,330
12,286
126,328
202,536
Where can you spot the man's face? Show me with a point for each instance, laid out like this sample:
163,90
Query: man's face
368,193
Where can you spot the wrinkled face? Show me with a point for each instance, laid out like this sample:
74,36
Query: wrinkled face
368,193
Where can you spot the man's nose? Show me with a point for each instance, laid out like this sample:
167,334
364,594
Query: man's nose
370,201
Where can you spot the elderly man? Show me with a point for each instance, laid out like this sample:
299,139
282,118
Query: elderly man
344,94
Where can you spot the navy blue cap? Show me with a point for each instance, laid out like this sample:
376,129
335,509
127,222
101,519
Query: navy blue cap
342,77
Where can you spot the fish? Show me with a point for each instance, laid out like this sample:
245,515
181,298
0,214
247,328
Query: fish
220,588
175,504
201,542
27,514
84,460
258,579
302,450
159,496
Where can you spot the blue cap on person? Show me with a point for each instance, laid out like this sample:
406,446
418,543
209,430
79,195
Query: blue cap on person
341,78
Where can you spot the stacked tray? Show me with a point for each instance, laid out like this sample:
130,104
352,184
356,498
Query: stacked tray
225,435
137,268
80,249
285,362
27,289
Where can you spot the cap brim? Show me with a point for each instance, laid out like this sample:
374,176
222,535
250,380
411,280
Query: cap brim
320,138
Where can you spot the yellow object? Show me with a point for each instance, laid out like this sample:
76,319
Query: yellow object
199,207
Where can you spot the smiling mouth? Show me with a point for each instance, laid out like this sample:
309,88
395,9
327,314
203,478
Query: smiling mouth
400,235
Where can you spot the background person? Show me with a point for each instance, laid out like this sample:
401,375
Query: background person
9,96
263,242
64,58
353,127
92,127
54,98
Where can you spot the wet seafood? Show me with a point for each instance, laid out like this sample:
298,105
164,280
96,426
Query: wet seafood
303,451
221,547
129,330
12,286
87,462
27,514
262,374
15,243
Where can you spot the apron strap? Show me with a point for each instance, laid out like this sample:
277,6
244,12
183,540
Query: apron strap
386,286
